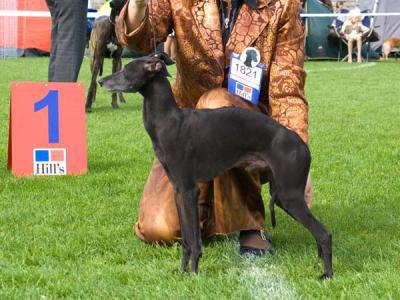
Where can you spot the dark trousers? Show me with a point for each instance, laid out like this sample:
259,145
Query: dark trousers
68,38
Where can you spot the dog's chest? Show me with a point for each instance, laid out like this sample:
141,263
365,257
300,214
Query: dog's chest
112,47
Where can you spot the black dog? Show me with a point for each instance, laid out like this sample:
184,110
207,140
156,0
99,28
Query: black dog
104,43
198,145
251,56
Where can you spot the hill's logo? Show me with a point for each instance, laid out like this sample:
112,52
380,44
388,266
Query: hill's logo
49,162
244,91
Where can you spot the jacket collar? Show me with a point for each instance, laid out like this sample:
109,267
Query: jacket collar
206,16
248,26
256,4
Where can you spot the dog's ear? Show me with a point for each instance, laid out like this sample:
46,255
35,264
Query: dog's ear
162,68
164,57
157,66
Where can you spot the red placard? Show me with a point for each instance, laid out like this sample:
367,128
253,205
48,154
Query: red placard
47,131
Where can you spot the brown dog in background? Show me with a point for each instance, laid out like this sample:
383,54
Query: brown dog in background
388,45
104,43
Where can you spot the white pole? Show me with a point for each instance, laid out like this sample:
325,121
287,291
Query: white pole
397,14
376,4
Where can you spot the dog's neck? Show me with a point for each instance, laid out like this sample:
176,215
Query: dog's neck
159,103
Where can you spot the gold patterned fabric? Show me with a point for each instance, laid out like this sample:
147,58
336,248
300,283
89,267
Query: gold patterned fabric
275,29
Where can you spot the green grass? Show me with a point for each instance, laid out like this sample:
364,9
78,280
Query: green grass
72,236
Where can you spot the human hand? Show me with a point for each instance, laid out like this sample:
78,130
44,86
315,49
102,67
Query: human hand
136,13
141,4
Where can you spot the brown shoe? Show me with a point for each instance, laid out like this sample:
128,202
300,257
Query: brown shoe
255,242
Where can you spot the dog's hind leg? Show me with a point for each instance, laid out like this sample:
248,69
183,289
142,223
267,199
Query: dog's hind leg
188,212
272,209
121,98
386,48
297,208
91,97
273,200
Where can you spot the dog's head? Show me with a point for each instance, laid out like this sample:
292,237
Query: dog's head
137,73
116,7
252,54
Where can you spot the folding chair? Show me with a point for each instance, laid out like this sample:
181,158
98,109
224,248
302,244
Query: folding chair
337,26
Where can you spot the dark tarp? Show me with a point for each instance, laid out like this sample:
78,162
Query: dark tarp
386,27
317,44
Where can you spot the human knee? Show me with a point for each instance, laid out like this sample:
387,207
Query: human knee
214,98
156,232
220,97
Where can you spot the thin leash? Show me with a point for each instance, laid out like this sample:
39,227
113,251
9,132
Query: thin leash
152,27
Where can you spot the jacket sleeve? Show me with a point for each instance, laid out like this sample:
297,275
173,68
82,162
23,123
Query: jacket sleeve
287,76
158,18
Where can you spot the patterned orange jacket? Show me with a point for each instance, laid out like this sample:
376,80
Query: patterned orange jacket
274,28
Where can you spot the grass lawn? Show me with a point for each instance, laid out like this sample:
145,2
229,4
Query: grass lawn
72,236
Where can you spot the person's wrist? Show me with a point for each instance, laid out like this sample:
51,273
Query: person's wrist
138,5
135,13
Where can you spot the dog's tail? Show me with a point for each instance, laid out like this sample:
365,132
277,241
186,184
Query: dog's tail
96,65
272,209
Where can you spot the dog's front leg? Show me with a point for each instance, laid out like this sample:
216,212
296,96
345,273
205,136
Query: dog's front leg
118,68
115,65
187,206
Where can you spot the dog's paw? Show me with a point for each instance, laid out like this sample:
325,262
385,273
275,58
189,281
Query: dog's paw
326,275
180,272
